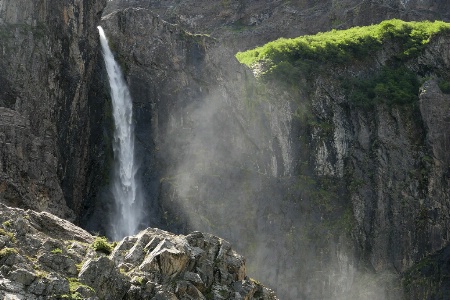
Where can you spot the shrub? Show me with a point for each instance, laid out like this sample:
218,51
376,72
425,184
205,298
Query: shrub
392,85
340,46
101,244
444,85
56,251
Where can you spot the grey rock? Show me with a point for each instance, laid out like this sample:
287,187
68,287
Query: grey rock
173,269
22,276
48,52
104,278
59,262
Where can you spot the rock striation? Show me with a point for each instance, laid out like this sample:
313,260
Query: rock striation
48,52
45,257
241,24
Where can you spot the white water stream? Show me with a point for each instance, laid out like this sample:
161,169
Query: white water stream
124,186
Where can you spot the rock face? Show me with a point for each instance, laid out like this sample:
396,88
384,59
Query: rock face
44,257
343,200
48,52
241,24
330,201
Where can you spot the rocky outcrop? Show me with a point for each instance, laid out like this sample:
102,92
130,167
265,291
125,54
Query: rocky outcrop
48,52
44,257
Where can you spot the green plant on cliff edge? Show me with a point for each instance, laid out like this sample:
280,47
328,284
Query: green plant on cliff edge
338,46
57,251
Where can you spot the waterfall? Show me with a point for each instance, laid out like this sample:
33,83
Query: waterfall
128,214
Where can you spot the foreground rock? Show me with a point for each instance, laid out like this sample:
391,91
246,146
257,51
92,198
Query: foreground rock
44,257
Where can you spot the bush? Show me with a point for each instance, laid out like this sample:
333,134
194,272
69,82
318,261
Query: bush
444,85
339,46
392,85
101,244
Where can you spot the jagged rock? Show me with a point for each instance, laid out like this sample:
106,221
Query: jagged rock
153,264
103,276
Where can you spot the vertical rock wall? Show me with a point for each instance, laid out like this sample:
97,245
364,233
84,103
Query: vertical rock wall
327,199
48,50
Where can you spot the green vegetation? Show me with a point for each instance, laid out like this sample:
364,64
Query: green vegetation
8,234
289,61
390,86
79,266
56,251
101,244
74,284
41,274
343,45
7,251
444,85
7,223
138,280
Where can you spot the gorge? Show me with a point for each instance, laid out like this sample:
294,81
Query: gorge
329,184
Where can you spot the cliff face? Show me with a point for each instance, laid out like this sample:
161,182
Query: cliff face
48,53
331,201
241,24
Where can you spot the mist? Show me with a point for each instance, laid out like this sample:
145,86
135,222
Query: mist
239,175
222,152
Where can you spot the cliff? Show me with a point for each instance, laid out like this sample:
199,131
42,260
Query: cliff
48,54
334,186
331,199
242,24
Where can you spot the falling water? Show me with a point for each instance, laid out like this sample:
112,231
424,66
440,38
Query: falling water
124,186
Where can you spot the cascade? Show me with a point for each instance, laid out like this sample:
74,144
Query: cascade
128,213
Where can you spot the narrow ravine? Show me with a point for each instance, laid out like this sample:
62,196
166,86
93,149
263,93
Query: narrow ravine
128,206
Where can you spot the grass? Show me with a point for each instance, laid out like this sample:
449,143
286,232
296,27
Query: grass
8,234
101,244
56,251
74,284
7,251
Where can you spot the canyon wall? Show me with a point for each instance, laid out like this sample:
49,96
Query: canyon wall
331,201
48,54
328,200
